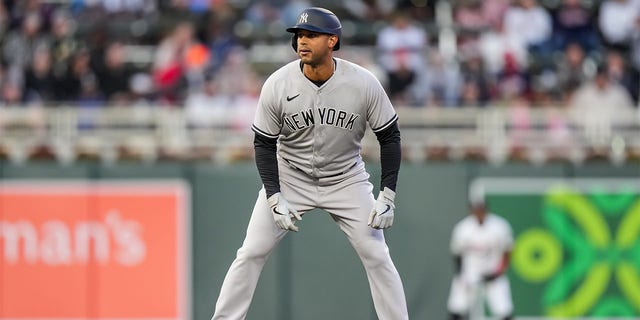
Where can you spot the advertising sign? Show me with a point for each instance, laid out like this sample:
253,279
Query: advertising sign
577,244
94,250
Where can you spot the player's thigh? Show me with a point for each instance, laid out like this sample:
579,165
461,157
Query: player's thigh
499,297
262,232
350,205
460,297
351,199
297,188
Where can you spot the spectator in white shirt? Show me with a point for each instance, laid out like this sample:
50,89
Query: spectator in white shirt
617,20
532,24
401,47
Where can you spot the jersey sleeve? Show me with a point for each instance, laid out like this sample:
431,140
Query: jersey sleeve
267,121
456,242
507,236
380,113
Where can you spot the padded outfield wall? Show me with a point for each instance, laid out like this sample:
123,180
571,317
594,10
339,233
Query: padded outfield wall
315,274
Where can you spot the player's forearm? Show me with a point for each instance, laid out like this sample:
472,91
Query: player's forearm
501,269
390,156
457,264
267,163
504,263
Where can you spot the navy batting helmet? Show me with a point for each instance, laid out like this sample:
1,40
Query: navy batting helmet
317,20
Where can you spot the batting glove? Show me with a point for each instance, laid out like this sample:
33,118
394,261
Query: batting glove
381,216
283,212
491,276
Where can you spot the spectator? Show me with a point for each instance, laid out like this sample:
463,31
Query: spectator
10,87
261,14
168,68
240,84
598,104
370,10
513,81
401,47
20,10
219,36
495,46
207,107
572,69
635,45
476,89
443,81
63,42
11,93
128,7
617,20
532,24
79,83
622,73
114,74
141,89
494,11
177,12
39,82
470,94
5,20
469,16
20,44
470,20
574,24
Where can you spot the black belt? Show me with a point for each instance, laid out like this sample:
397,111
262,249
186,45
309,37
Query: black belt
341,173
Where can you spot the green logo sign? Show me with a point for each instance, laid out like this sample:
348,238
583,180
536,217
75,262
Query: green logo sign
577,247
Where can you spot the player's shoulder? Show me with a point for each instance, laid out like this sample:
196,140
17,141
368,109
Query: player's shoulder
499,220
353,69
284,72
464,223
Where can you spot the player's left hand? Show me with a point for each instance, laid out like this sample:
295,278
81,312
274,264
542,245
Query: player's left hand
381,216
490,277
283,213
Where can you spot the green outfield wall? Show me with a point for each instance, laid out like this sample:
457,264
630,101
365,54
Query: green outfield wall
315,275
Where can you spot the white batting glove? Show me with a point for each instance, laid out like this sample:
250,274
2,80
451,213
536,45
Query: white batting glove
283,212
381,216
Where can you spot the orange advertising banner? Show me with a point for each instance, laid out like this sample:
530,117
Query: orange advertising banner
94,250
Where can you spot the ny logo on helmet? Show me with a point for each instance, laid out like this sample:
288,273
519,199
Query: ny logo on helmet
303,18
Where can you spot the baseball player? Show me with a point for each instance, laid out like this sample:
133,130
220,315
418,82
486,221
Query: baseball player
481,244
311,117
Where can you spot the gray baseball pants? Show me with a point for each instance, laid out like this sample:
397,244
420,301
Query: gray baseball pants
349,200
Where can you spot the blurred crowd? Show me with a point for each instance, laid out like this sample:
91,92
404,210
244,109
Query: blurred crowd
195,53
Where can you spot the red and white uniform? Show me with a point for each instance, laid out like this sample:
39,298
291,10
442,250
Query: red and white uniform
482,248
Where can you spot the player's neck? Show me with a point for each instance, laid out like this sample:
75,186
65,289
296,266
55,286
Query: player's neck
319,72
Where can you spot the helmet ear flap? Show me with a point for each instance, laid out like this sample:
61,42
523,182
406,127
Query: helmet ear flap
294,42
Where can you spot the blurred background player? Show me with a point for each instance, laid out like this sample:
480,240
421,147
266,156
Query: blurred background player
481,244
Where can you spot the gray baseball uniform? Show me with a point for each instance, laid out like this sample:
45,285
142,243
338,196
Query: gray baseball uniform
319,131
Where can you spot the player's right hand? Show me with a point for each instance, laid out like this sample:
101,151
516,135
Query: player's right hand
382,214
283,212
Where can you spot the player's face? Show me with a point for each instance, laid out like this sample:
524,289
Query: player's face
479,212
314,48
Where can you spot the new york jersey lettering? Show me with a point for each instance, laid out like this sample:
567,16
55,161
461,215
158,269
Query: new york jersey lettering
337,118
326,117
300,120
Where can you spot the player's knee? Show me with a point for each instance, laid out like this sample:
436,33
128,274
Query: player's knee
373,253
254,252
